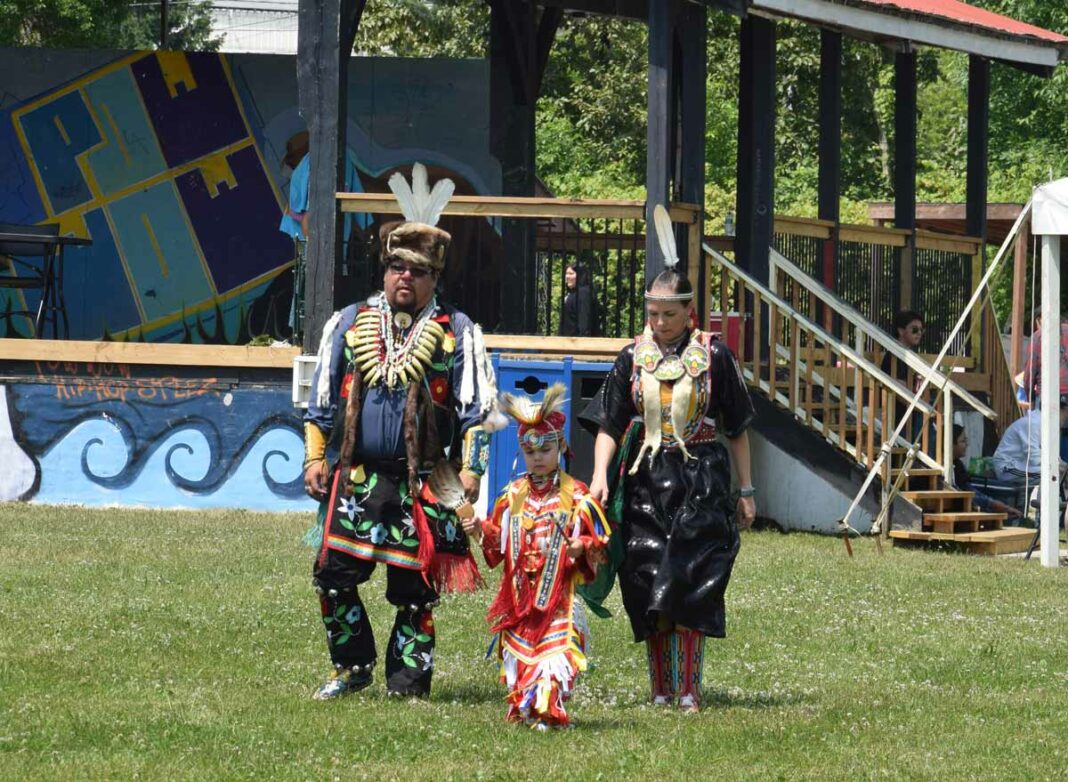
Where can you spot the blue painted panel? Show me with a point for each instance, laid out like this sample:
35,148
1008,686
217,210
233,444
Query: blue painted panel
95,285
516,376
179,280
55,157
131,153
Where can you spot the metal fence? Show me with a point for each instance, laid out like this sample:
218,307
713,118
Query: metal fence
942,285
606,239
868,276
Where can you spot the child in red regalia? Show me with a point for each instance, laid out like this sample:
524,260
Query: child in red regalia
551,536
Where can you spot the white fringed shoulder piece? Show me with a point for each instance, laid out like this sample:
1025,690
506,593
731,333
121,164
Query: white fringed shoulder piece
322,363
506,521
487,383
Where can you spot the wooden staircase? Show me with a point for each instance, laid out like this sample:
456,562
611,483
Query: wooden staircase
950,520
825,368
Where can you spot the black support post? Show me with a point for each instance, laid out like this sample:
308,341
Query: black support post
978,130
690,177
905,140
658,163
905,170
326,31
164,23
756,146
830,142
520,41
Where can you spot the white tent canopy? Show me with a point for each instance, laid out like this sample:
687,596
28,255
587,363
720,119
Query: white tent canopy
1050,209
1050,221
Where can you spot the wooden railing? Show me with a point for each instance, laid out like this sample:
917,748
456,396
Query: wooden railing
831,388
874,269
849,326
1002,384
873,260
606,236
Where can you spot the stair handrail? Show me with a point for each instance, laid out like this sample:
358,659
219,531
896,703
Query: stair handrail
858,360
869,329
980,291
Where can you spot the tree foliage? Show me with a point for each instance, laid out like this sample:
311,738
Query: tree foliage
591,112
105,24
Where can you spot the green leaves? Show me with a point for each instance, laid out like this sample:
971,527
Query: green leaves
105,24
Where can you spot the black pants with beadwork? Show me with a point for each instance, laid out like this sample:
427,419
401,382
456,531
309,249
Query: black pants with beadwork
410,654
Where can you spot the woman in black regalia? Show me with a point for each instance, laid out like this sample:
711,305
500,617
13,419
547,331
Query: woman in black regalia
659,411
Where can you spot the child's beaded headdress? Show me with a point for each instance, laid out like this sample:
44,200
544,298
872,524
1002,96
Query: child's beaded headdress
538,421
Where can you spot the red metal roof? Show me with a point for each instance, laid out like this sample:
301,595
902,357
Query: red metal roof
962,13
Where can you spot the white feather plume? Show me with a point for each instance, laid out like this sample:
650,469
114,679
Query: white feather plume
405,197
418,203
439,198
665,235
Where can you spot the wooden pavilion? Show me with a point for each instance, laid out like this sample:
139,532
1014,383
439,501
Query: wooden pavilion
521,37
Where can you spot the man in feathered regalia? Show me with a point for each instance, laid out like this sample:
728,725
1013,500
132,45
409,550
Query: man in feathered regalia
399,378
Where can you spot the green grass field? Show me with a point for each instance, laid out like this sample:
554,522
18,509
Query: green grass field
151,645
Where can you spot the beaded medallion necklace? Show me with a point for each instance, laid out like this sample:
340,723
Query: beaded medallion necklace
383,352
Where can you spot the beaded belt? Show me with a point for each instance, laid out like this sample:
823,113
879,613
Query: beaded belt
705,434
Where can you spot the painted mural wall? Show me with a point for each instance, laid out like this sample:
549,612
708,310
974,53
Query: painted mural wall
172,164
109,434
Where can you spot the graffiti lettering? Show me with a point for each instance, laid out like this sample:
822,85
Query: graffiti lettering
162,389
113,382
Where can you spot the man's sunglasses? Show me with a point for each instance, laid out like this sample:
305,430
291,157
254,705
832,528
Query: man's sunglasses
399,270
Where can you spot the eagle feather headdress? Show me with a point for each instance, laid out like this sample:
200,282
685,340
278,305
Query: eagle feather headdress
417,240
665,237
418,202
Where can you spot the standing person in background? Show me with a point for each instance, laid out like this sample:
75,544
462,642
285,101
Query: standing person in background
907,327
295,225
580,314
295,218
1033,366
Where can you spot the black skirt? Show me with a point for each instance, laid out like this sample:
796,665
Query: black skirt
681,541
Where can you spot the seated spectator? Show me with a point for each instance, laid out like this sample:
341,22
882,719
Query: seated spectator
907,326
1020,449
908,329
962,479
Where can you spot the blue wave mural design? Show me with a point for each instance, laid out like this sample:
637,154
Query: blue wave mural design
192,447
85,465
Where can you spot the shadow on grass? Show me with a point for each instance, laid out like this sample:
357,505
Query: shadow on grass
747,700
446,692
